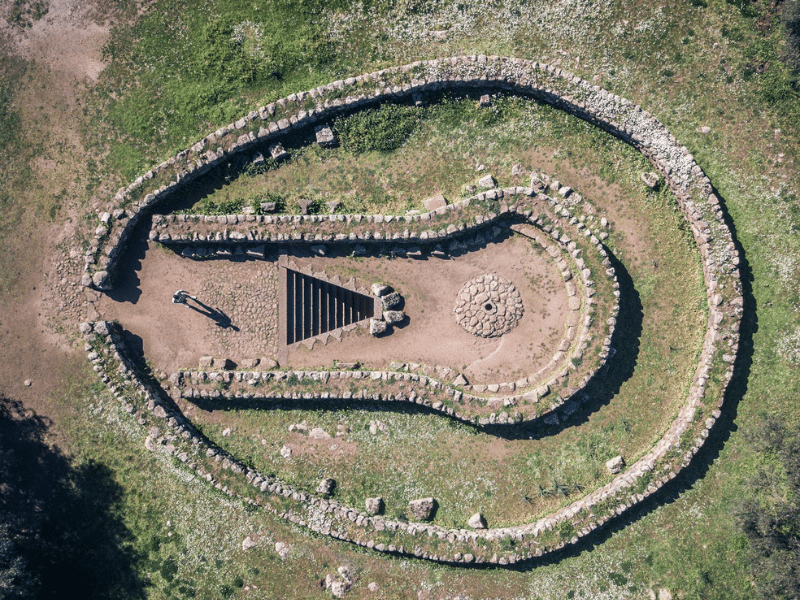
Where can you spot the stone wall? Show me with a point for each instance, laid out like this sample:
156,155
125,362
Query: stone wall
698,204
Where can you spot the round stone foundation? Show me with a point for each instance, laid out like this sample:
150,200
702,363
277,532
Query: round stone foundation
488,306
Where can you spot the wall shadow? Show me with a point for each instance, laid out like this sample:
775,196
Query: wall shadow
710,451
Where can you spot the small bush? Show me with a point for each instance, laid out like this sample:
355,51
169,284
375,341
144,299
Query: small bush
790,20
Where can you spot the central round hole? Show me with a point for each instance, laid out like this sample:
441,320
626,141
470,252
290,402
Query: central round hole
488,306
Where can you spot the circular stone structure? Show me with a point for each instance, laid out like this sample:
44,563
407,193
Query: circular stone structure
488,306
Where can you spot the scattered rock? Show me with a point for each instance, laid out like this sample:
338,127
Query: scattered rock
485,101
319,434
326,486
615,465
269,207
347,573
226,432
517,170
249,542
487,182
300,427
324,135
650,180
333,206
379,289
477,521
664,594
372,587
258,159
460,380
338,589
470,189
305,204
705,129
437,201
374,505
376,426
282,549
423,508
27,383
377,327
286,452
277,152
249,363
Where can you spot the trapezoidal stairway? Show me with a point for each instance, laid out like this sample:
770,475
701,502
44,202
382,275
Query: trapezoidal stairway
315,306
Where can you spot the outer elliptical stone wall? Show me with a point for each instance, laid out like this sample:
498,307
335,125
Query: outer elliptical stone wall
698,203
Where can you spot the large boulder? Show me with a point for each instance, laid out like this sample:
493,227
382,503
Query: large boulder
487,182
423,508
477,521
377,327
326,486
374,505
101,281
615,465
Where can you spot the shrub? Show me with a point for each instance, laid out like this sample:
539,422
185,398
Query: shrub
771,521
383,129
790,20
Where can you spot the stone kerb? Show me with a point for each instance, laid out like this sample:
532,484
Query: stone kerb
696,199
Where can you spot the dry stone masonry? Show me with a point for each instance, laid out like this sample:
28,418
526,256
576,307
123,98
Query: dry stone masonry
488,306
167,429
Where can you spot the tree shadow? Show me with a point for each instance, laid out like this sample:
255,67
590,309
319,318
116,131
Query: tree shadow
60,519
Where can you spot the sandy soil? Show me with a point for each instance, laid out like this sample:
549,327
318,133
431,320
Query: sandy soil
174,337
39,314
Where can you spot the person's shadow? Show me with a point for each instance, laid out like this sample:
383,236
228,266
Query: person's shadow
215,314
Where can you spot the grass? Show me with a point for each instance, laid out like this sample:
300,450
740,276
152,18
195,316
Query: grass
164,88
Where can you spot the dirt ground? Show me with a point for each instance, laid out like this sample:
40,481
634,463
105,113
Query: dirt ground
44,302
173,336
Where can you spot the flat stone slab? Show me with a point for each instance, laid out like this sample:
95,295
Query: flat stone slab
437,201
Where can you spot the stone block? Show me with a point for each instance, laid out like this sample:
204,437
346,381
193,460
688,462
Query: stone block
277,152
423,508
435,202
374,505
324,135
615,465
